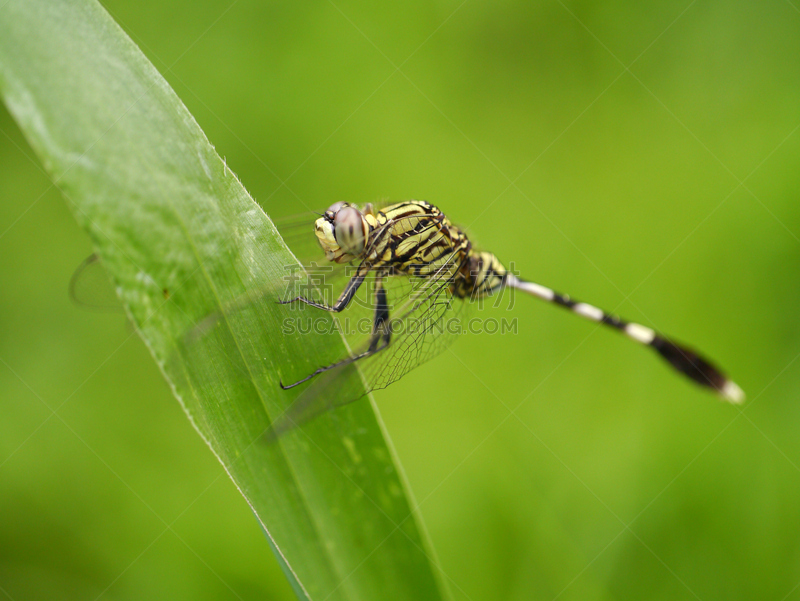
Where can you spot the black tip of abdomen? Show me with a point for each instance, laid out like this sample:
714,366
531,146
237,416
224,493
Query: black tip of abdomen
690,364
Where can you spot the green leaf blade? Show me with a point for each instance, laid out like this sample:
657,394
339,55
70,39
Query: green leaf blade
182,239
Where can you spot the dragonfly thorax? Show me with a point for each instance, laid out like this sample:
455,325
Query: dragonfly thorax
412,238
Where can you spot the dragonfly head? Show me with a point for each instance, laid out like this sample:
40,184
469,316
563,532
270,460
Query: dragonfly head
342,232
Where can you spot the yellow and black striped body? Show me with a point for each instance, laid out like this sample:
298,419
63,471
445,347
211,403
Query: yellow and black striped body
415,238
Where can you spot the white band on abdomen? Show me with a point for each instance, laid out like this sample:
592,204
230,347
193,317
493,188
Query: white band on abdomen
640,333
530,288
588,311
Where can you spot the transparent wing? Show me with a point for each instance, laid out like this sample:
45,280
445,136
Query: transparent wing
423,319
421,313
90,288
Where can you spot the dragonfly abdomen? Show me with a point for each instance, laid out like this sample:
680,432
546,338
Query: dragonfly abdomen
482,274
681,358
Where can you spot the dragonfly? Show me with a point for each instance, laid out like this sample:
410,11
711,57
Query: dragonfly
413,242
413,275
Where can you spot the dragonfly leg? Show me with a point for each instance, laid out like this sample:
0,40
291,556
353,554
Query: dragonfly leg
341,303
379,338
381,331
307,407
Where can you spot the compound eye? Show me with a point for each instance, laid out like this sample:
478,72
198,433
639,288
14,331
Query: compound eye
334,208
348,228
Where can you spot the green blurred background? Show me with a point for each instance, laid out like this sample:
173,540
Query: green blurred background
643,158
